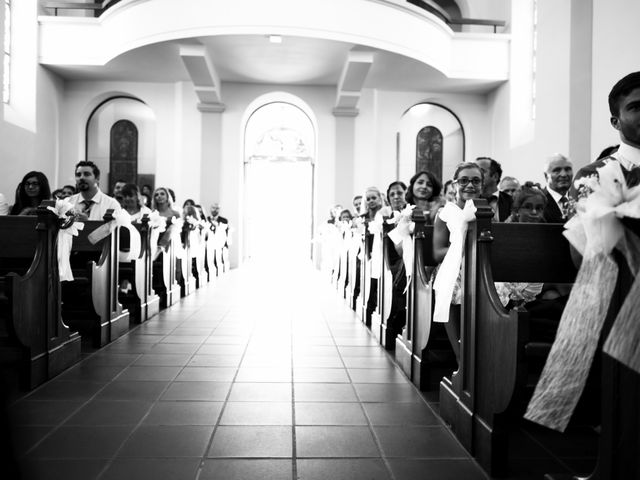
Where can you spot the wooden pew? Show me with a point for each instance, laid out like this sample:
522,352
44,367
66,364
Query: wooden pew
33,338
484,398
90,303
141,301
165,262
422,349
184,273
380,317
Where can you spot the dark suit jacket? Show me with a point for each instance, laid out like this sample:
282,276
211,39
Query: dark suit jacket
505,202
552,213
504,206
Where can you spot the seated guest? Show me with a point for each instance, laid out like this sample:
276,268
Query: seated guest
558,172
499,201
132,202
146,190
4,206
90,203
345,216
373,203
424,192
67,191
31,191
357,202
529,202
396,195
163,204
117,190
215,214
57,194
509,185
334,213
146,199
449,191
468,179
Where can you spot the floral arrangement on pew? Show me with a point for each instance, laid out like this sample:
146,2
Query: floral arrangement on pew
597,228
121,218
69,228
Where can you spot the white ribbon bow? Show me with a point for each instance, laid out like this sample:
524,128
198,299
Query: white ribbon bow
457,221
402,234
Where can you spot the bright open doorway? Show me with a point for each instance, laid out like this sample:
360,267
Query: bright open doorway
278,184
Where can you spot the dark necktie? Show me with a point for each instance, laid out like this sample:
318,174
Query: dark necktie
564,206
87,207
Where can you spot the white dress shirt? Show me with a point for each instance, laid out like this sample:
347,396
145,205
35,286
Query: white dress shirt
101,203
628,156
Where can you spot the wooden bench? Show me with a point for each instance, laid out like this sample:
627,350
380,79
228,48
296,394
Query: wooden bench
139,297
184,272
33,338
385,301
423,350
164,280
486,395
90,302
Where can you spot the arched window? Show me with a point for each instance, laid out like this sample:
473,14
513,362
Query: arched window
430,137
123,153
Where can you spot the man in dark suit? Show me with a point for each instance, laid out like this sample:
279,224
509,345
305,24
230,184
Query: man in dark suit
499,201
215,214
558,172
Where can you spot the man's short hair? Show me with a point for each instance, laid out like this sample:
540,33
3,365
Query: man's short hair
494,166
622,88
89,163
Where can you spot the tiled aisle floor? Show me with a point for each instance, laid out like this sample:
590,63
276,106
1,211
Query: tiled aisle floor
254,377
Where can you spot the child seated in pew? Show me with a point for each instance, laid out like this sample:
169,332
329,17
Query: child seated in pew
132,202
545,302
467,179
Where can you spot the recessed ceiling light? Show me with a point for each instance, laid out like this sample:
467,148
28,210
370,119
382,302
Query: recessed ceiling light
275,38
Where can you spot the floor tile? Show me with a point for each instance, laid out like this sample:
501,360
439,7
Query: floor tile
253,375
401,414
110,412
376,375
423,442
257,413
43,412
148,374
458,469
152,468
324,392
321,375
343,469
215,360
206,374
162,360
387,393
261,392
213,349
231,441
184,413
167,441
336,442
205,391
329,414
145,391
241,469
51,469
66,391
81,442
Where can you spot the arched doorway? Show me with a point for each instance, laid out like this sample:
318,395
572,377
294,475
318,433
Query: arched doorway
279,146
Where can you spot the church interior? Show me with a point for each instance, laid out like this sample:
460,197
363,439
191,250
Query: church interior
256,352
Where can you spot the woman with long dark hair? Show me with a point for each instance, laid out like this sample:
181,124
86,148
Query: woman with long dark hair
31,191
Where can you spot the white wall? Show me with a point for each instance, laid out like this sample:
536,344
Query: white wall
29,123
616,37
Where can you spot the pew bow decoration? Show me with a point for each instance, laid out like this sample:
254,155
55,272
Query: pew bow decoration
375,228
457,221
402,235
595,231
158,225
121,218
68,229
